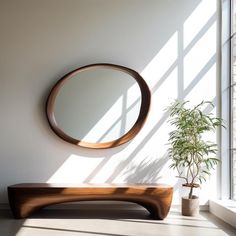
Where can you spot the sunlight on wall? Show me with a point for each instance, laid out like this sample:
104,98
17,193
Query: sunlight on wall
206,87
185,67
74,170
161,63
197,20
197,60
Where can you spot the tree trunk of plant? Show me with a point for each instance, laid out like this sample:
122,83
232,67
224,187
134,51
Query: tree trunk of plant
190,196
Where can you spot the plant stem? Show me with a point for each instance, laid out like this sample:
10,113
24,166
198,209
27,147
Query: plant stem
190,196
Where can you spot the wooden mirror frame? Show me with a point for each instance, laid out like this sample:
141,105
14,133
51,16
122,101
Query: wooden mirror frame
144,109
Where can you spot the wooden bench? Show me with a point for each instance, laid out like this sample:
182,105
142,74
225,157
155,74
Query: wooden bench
26,199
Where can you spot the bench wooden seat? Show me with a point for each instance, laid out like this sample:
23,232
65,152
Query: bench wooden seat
25,199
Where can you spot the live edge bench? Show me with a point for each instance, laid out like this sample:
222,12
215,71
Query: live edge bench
25,199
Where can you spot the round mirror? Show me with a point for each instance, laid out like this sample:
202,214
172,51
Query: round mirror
98,106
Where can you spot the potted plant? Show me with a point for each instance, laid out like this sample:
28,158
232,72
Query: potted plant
192,156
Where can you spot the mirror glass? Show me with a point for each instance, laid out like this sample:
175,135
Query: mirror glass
97,105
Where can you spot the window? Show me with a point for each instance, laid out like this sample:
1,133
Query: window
233,99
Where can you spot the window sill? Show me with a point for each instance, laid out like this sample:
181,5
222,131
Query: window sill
225,210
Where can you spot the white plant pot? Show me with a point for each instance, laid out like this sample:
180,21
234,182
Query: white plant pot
190,207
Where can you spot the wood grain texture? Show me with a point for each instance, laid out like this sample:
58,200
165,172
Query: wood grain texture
25,199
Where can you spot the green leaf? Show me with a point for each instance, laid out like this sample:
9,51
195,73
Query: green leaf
188,150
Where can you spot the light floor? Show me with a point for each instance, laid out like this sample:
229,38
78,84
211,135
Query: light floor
111,223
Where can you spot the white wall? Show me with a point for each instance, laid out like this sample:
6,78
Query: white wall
171,43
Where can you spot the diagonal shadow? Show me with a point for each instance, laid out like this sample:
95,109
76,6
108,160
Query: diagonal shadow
97,169
72,231
181,92
194,82
180,62
145,172
199,35
120,119
122,165
172,224
200,75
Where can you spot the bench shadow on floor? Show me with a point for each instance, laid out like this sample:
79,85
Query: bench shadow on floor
92,214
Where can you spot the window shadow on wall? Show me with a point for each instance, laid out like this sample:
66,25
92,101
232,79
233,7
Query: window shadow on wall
175,67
